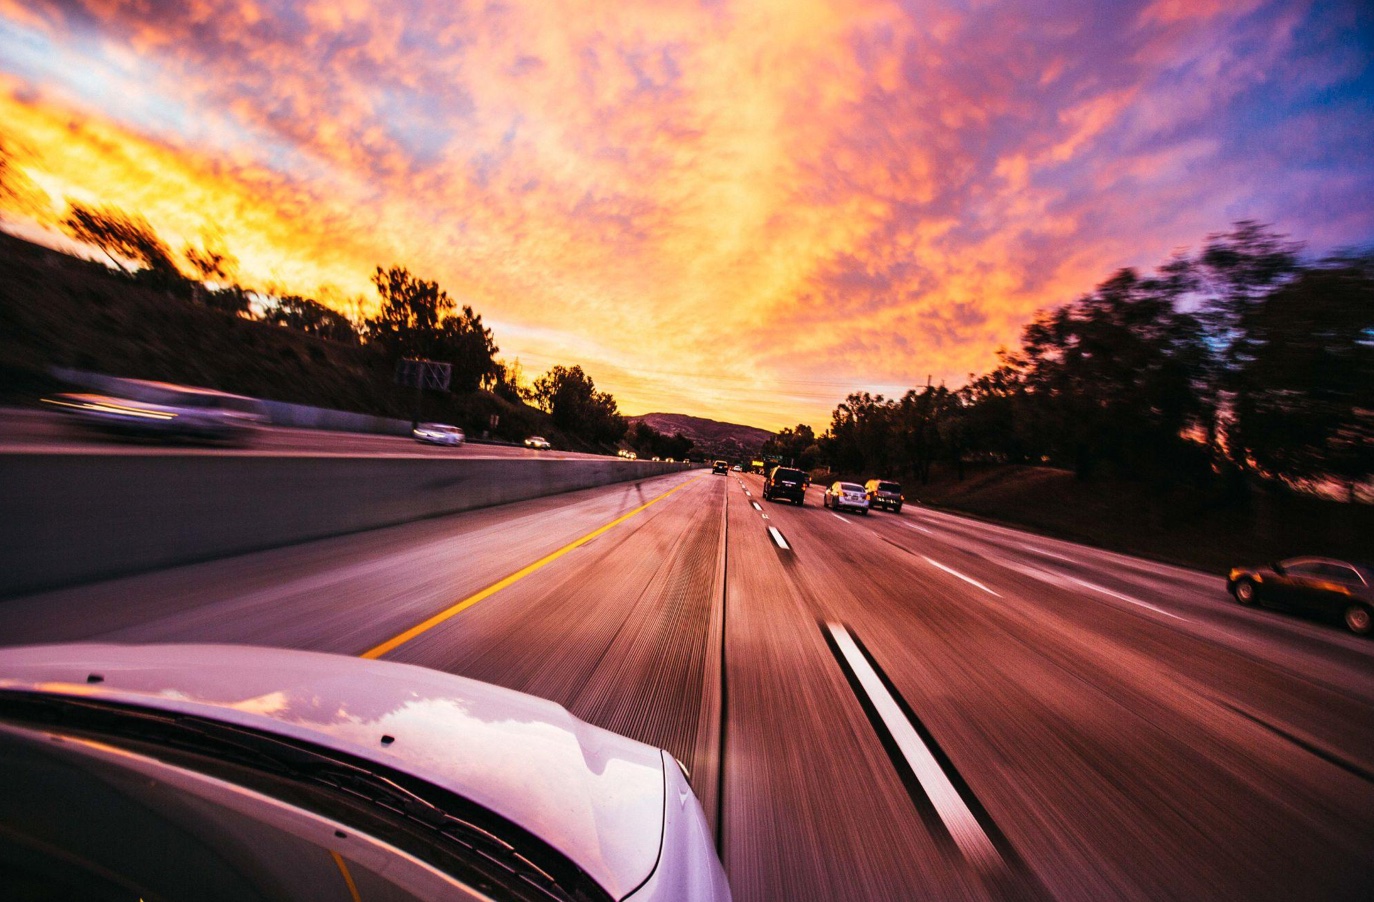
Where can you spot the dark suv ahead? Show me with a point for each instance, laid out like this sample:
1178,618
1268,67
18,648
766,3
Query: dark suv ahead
720,467
882,493
788,483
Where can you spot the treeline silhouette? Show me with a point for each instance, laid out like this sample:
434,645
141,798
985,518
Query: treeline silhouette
416,318
1238,365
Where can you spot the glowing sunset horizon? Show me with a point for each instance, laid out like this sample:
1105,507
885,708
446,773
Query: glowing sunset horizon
742,211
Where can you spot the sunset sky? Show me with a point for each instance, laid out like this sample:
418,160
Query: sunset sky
741,210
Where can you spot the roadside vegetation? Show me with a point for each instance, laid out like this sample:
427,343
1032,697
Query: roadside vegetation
182,316
1218,408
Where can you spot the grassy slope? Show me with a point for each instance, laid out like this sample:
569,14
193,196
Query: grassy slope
1178,526
58,310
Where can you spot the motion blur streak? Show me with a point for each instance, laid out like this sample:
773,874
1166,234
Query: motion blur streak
397,641
1114,753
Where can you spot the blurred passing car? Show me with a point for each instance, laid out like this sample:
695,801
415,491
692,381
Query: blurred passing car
538,443
1322,587
846,496
162,410
884,493
230,772
439,434
786,482
737,468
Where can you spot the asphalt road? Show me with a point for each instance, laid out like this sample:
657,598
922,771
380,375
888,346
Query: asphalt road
27,431
890,707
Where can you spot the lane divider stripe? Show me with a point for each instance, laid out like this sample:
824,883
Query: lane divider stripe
777,538
952,572
961,822
401,639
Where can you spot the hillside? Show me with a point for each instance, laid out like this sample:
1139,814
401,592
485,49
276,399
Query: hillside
1178,524
57,310
708,436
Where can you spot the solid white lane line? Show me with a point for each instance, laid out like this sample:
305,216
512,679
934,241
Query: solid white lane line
1056,578
756,505
959,820
778,539
839,516
1136,601
968,579
921,528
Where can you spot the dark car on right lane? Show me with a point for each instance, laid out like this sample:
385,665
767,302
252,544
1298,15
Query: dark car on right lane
1318,586
786,482
886,494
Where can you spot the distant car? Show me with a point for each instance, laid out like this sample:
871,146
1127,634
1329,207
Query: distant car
439,434
538,443
846,496
786,482
1322,587
883,493
737,468
224,772
135,407
721,466
628,455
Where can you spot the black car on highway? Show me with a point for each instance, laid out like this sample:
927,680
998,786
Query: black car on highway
721,466
886,494
786,482
1319,586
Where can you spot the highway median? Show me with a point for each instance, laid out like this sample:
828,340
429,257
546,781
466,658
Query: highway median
71,519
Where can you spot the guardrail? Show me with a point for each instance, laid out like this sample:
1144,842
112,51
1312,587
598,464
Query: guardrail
68,519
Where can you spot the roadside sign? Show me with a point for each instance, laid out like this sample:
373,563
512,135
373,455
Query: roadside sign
424,374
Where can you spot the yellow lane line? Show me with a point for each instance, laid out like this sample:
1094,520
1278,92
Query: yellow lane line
491,590
348,878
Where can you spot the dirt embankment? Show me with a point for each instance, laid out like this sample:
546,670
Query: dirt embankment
1175,524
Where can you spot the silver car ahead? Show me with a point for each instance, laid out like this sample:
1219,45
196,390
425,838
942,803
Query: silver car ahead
538,443
229,772
846,496
439,434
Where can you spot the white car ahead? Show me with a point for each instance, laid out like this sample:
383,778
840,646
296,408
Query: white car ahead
846,496
439,434
230,772
538,443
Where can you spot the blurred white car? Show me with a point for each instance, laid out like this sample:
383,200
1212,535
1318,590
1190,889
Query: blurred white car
846,496
137,407
439,434
538,442
230,772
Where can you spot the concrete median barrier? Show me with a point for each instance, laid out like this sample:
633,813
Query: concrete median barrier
67,519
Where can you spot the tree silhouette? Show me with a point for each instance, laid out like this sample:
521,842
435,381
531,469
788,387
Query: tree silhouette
121,237
311,317
417,320
1306,409
570,398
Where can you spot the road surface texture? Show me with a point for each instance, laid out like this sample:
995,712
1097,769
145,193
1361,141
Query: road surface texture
871,707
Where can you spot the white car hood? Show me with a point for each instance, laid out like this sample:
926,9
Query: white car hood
592,794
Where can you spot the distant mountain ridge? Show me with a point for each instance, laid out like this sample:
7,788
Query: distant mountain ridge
708,436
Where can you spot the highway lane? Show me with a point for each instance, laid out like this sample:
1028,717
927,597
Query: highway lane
29,431
1125,751
1114,728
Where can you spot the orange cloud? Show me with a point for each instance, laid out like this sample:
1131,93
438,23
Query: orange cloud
740,210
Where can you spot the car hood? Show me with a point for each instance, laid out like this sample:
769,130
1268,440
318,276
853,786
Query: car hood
594,795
